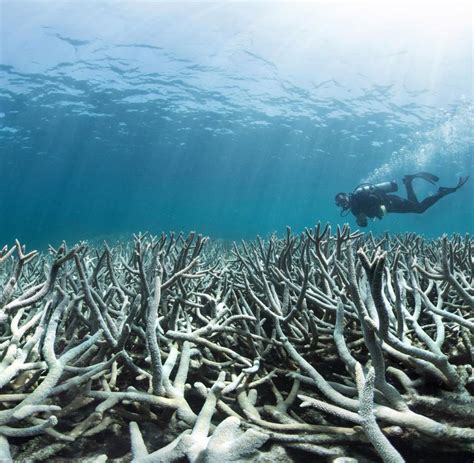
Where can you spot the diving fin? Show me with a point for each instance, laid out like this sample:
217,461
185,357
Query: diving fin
424,175
462,181
427,176
447,190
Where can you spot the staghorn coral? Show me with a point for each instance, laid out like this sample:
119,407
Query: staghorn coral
337,345
227,442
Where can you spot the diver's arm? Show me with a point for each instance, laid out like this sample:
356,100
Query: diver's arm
361,219
382,211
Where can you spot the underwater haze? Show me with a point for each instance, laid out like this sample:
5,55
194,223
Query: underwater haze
231,119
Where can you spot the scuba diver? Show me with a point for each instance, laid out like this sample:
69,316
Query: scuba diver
373,201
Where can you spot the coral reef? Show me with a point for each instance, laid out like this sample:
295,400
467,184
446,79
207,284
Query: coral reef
330,346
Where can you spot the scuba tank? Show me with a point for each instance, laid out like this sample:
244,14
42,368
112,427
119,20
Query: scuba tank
384,187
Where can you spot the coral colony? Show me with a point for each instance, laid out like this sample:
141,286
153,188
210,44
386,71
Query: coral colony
319,347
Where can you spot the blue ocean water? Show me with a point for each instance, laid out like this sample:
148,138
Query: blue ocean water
232,119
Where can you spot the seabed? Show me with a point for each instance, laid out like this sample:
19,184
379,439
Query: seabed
324,346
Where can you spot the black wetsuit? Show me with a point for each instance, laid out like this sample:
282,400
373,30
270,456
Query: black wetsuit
369,203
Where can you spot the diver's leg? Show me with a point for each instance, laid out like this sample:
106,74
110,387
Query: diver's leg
408,182
442,191
394,203
429,201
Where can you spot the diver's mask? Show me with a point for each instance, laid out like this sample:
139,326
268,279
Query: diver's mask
343,200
